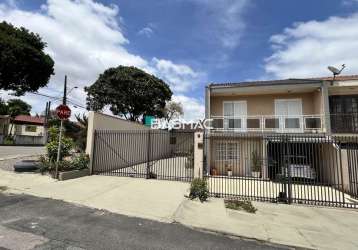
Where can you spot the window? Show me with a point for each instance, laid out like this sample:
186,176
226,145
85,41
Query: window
30,128
289,112
234,114
226,151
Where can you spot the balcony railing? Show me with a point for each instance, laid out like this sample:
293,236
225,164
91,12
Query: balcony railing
269,123
344,123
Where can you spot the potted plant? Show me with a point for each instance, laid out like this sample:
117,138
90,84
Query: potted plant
255,164
214,171
228,170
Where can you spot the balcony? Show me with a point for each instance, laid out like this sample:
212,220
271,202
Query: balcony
269,123
344,123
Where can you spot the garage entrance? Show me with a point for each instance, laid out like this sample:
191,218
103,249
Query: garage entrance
151,154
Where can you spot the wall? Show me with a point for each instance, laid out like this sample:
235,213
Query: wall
20,129
265,104
29,140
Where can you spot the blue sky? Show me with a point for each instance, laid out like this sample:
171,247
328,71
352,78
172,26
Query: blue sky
190,43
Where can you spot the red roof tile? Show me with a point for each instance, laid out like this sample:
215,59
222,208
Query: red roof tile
30,119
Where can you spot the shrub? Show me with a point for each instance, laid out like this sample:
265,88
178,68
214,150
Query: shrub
240,205
256,161
199,189
80,162
52,146
77,163
45,165
9,140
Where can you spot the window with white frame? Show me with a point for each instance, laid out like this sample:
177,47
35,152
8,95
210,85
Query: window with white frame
226,151
234,112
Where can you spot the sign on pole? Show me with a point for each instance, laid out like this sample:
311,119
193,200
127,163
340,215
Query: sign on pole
63,112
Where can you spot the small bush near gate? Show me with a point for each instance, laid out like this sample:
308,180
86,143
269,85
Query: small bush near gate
76,162
240,205
52,146
199,189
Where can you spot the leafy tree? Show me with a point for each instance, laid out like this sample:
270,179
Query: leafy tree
17,107
4,110
173,110
81,136
129,92
24,67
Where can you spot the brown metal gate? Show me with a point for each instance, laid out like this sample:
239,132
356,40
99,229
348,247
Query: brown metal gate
152,154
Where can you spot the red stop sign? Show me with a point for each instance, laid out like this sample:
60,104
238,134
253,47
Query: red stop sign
63,112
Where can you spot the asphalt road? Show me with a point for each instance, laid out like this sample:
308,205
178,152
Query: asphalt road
19,151
28,222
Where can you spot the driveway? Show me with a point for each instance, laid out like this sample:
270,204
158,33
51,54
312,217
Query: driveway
27,222
8,152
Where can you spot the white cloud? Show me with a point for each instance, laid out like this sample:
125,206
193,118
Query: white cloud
194,109
181,78
307,48
227,15
146,31
349,2
84,38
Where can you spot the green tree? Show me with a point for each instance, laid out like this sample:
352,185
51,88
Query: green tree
18,107
129,92
173,110
4,110
24,67
81,136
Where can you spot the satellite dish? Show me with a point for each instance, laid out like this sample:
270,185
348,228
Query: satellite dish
334,70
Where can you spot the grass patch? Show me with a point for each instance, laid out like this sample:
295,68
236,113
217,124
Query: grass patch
240,205
3,188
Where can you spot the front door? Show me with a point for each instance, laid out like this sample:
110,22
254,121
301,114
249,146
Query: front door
289,113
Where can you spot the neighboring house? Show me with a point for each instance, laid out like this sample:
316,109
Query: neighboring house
245,114
26,125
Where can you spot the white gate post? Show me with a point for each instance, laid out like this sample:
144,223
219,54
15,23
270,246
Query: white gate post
90,139
198,154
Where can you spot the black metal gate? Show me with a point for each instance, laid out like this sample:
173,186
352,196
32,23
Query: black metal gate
287,168
152,154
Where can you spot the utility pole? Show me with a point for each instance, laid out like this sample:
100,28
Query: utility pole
61,127
47,117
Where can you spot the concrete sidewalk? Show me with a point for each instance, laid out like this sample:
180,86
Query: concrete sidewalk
302,226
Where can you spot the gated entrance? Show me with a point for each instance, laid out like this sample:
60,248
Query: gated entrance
151,154
309,169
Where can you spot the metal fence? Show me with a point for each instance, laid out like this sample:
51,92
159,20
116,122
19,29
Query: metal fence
144,153
309,169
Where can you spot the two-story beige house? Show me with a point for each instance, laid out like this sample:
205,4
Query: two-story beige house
285,106
320,107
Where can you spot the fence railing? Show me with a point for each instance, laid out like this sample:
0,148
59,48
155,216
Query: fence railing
291,168
269,123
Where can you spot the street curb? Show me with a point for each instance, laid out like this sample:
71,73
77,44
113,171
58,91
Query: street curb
18,157
231,235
